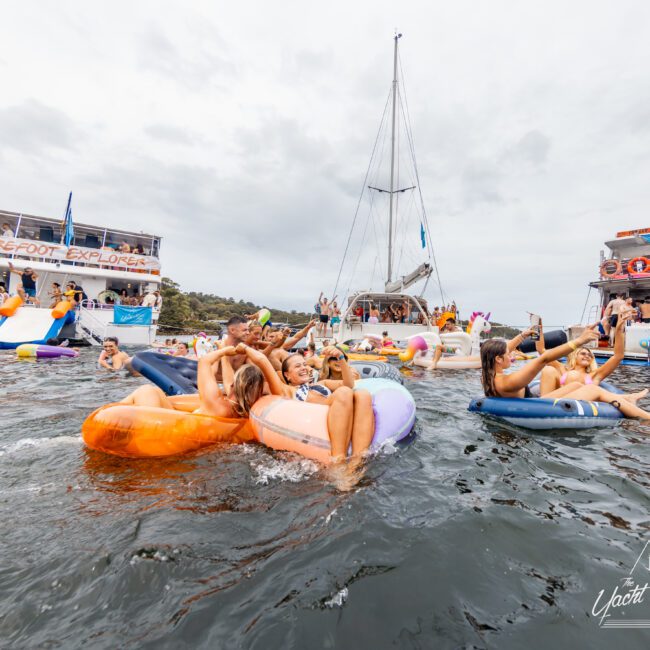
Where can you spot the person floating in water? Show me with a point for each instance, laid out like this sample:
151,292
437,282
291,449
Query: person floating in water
112,358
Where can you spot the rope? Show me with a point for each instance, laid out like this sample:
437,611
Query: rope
363,187
417,176
585,307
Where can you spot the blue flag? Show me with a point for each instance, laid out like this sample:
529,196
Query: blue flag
68,228
422,235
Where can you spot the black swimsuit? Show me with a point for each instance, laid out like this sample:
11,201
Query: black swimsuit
527,393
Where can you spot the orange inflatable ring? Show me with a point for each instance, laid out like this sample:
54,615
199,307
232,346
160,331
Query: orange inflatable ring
606,270
444,318
10,306
631,265
147,432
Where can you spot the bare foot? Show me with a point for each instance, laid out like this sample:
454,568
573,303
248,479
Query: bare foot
635,397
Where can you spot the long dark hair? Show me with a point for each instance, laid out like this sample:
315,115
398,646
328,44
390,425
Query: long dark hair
490,350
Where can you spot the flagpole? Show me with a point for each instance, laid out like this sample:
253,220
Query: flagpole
65,219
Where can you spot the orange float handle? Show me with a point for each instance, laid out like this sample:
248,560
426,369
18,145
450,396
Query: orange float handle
10,306
61,309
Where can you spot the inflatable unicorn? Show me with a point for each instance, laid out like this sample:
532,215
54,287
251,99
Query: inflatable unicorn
462,349
202,345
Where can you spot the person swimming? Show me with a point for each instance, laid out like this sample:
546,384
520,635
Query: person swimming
495,359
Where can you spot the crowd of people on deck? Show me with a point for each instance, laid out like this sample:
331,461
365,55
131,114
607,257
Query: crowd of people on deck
328,313
72,292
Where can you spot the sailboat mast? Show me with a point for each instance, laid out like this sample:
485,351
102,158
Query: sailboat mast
392,166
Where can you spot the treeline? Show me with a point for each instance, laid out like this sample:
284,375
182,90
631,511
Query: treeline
191,311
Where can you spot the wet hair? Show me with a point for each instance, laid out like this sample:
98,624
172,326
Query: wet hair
490,350
53,341
185,345
384,333
56,284
285,365
248,386
112,339
571,360
311,346
236,320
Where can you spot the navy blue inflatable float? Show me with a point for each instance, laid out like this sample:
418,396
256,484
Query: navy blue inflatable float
177,375
540,413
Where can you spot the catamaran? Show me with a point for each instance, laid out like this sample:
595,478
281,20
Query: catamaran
403,184
91,256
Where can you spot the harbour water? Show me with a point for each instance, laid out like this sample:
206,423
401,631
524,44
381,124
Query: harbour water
474,535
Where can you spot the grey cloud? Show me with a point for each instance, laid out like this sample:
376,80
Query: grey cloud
169,133
479,184
532,147
193,67
32,127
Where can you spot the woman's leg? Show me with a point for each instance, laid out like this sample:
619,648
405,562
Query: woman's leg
148,395
339,421
593,393
549,380
363,426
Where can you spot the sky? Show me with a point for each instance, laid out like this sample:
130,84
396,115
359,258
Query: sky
241,133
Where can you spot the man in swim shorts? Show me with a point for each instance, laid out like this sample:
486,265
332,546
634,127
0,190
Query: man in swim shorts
644,306
28,287
612,311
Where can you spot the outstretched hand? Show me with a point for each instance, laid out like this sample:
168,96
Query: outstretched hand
331,351
587,336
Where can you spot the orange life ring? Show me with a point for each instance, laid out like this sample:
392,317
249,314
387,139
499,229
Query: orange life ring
607,265
631,265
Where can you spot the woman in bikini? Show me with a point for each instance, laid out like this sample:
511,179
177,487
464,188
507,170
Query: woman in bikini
350,419
581,364
495,359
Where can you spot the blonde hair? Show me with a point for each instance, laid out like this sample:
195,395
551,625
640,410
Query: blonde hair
247,388
572,360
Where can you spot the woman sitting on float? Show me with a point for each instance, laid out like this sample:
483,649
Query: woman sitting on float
350,419
495,359
581,364
332,369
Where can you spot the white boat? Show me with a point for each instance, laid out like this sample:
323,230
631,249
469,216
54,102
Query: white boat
625,269
92,260
355,316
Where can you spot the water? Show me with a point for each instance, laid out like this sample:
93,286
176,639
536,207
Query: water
474,535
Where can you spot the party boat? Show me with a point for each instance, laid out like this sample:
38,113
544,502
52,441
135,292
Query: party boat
625,269
90,256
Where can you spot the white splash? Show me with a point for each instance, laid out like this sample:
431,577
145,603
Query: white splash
293,471
29,443
338,599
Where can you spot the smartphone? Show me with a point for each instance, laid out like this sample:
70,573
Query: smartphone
535,322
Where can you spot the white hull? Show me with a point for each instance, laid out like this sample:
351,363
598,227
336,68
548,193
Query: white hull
396,331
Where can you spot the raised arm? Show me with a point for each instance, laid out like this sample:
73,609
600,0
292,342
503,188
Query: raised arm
209,390
619,348
522,377
292,340
259,359
515,342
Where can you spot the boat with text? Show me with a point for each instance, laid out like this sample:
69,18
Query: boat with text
625,270
107,277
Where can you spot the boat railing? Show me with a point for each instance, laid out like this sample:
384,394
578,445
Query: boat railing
94,329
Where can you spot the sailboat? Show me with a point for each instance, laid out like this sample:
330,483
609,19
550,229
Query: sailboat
412,311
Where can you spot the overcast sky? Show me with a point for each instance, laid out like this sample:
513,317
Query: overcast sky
241,133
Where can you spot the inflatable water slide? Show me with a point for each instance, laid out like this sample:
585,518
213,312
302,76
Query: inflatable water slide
20,324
